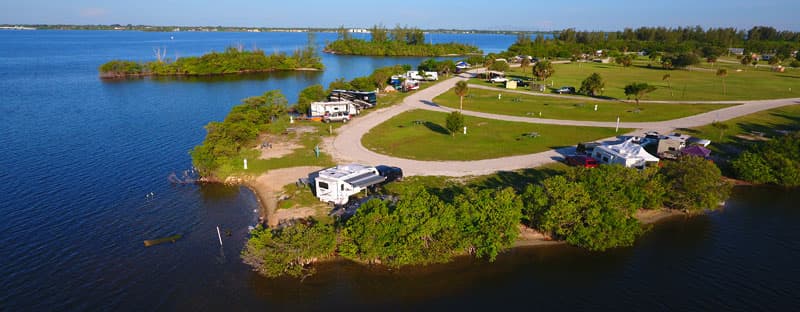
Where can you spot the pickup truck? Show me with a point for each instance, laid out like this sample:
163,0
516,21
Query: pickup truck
498,79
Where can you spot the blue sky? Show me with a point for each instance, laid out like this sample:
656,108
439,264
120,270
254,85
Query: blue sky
463,14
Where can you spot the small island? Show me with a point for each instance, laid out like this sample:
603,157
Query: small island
400,41
234,60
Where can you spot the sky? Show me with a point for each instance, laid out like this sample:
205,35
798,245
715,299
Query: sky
531,15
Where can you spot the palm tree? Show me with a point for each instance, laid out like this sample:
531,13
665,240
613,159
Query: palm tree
667,78
722,73
543,70
461,90
638,90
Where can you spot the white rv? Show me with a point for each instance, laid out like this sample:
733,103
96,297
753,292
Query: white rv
413,74
336,185
431,75
320,109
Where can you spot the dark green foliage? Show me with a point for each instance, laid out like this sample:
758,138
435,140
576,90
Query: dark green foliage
694,183
625,60
772,162
592,85
232,60
242,125
312,93
543,70
681,60
403,42
638,90
454,122
290,250
593,208
499,66
674,41
488,220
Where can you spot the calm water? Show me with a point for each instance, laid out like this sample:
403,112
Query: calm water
80,156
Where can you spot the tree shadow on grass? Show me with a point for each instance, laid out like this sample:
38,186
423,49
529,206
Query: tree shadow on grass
436,128
518,180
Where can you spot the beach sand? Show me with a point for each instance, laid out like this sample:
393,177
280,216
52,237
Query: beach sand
268,187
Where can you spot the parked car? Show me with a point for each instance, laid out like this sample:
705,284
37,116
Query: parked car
567,90
391,173
581,161
498,79
520,82
336,116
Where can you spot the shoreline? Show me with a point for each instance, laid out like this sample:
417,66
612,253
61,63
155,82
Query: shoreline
107,76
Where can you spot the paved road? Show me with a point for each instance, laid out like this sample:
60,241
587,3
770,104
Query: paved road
346,146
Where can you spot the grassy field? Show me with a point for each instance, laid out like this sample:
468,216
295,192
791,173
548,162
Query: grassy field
568,109
699,84
421,135
745,130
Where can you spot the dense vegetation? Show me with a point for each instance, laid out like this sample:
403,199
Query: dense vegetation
400,41
771,162
590,208
711,42
242,125
232,60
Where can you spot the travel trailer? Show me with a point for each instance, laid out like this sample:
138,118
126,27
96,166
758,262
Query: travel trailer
320,109
336,185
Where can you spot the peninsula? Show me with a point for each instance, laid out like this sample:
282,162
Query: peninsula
400,41
232,61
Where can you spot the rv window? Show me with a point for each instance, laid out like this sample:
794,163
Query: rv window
342,187
605,158
323,185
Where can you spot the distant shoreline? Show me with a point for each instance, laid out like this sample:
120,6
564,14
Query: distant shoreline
122,76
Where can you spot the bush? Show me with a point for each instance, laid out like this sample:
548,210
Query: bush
454,122
771,162
694,183
289,250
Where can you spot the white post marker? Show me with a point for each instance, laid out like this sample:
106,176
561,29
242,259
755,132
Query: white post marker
499,95
595,107
291,119
465,129
219,236
617,128
245,164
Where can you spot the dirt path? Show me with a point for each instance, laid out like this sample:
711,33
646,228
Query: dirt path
268,187
346,145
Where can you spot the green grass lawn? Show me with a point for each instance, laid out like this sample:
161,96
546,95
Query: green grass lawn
557,108
684,85
427,139
740,130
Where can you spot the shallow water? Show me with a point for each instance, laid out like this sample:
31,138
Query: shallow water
81,156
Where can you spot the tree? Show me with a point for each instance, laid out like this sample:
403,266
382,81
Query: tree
525,62
592,85
289,250
543,70
746,59
694,183
461,89
310,94
625,60
721,127
454,122
499,66
722,73
379,33
638,90
668,78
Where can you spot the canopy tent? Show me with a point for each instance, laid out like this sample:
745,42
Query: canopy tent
696,150
627,153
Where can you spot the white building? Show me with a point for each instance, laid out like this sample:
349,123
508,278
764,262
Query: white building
336,185
627,153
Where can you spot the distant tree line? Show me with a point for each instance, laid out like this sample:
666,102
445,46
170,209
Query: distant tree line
711,42
590,208
400,41
232,60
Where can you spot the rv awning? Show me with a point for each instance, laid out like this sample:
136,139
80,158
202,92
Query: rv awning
365,180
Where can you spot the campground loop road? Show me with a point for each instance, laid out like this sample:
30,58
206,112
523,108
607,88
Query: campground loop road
346,146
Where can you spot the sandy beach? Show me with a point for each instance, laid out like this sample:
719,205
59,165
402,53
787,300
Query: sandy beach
268,187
